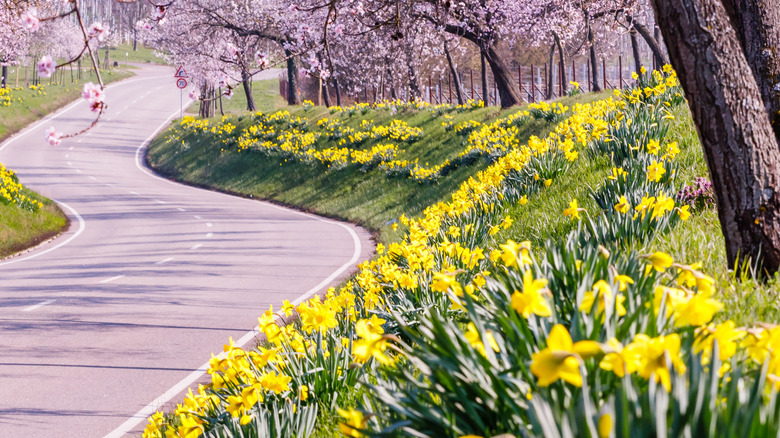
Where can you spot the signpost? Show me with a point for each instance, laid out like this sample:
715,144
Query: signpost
181,82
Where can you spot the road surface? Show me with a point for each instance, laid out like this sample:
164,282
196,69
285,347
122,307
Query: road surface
105,323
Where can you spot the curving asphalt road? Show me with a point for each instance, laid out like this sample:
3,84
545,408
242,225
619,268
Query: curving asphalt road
116,317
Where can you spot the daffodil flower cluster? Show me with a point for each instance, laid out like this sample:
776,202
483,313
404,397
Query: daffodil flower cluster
11,191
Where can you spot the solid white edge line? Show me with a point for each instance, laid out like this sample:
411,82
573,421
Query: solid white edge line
152,407
82,226
38,306
168,395
62,111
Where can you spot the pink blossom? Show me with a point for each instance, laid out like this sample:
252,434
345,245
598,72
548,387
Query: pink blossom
92,92
233,50
292,8
262,60
53,137
339,29
228,93
97,30
194,94
223,81
143,25
159,13
46,67
30,21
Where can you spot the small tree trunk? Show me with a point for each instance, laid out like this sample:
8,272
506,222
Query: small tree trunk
245,82
135,39
757,23
507,91
338,91
739,145
455,76
635,51
651,41
4,74
292,79
414,85
561,65
483,74
550,73
594,65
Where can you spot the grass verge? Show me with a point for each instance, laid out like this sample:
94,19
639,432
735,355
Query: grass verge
24,229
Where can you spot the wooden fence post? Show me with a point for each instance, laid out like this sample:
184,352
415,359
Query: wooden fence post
471,73
604,69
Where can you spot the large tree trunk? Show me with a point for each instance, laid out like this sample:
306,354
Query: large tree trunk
250,100
455,76
292,79
507,91
338,91
757,23
635,51
594,65
739,145
561,65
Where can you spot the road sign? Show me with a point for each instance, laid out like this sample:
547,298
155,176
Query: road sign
181,83
181,73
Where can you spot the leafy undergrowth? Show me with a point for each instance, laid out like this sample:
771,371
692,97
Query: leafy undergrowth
26,217
557,292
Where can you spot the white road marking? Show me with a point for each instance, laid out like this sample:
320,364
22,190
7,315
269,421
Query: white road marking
134,193
181,209
82,227
197,217
164,261
196,247
67,155
159,202
38,306
69,163
70,148
209,235
79,171
208,224
79,140
93,178
168,395
125,107
109,280
109,185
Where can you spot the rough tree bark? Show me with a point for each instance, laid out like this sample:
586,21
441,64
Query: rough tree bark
508,92
757,23
4,75
739,145
561,65
455,76
338,91
414,85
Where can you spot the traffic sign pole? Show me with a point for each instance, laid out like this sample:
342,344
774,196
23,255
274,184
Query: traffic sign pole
181,82
181,102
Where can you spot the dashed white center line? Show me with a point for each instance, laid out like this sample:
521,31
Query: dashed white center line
109,185
209,235
159,202
78,170
196,247
70,148
79,140
109,280
197,217
134,193
67,155
69,163
208,224
38,306
181,209
125,107
164,261
93,178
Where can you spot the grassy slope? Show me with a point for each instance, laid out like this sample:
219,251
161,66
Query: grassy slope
123,53
21,228
370,199
373,200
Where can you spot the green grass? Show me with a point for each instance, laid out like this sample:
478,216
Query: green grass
374,200
23,229
369,199
265,93
29,105
123,53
